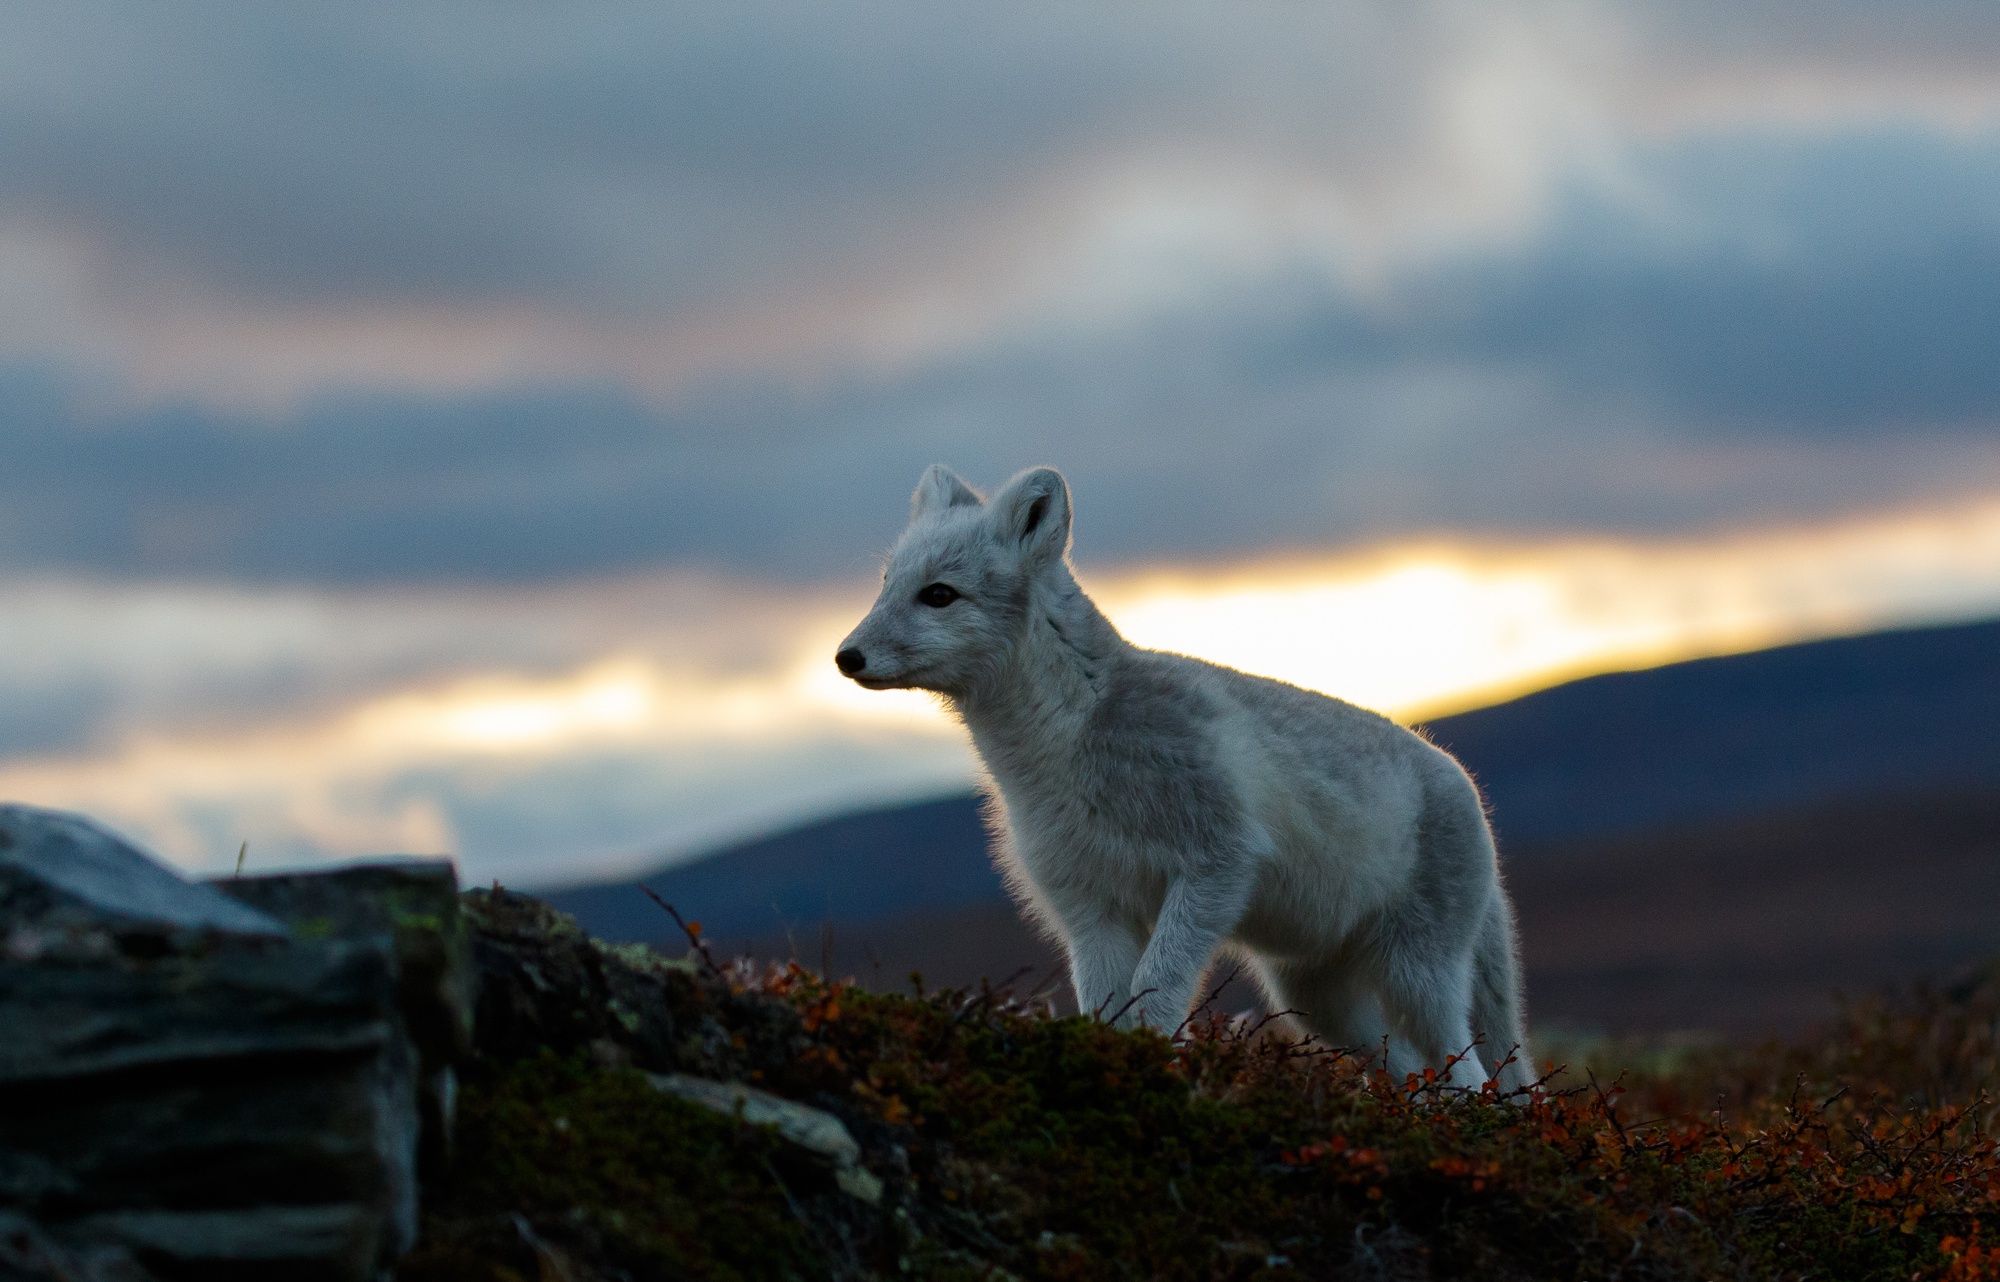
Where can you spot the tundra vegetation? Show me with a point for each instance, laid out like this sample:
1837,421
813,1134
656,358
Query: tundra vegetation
1006,1142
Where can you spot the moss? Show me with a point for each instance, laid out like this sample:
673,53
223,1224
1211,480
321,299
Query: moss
312,928
1011,1144
1079,1143
645,960
597,1159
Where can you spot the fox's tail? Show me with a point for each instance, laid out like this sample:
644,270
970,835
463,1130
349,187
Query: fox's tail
1497,1014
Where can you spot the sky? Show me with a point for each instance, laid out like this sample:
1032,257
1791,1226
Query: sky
467,427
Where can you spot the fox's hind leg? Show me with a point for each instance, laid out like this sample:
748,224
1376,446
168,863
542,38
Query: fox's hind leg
1424,950
1332,1000
1428,998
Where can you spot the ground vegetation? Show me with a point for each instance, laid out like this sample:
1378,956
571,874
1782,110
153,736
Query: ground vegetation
1001,1141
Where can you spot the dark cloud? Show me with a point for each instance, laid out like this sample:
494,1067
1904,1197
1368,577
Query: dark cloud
639,156
1809,336
1753,320
624,155
1813,285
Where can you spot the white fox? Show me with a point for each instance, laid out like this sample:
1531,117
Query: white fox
1154,807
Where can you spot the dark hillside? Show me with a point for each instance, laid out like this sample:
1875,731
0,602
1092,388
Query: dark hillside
928,857
1746,927
1749,927
1712,844
1713,739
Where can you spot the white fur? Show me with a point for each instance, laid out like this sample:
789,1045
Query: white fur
1154,808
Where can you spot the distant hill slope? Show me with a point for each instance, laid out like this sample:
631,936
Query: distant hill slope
1744,926
1707,742
1716,738
929,857
1751,925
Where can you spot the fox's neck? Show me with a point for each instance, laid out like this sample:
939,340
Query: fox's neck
1037,700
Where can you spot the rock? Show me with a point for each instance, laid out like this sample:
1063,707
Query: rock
29,1254
59,870
203,1084
413,905
277,1235
119,1014
859,1181
811,1129
545,985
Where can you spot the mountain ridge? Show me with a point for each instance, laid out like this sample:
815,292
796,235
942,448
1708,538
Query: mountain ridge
1601,759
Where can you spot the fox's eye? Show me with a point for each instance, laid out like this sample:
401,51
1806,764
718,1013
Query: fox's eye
937,596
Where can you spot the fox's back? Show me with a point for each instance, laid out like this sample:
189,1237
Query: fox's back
1307,738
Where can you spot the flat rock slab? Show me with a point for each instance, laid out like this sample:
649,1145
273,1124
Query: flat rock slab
216,1080
812,1129
64,1019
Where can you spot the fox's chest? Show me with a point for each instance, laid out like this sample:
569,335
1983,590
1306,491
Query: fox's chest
1127,818
1137,771
1076,853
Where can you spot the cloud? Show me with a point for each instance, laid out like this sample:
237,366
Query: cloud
420,365
445,295
629,154
521,731
1822,284
545,734
1791,344
251,204
613,183
87,663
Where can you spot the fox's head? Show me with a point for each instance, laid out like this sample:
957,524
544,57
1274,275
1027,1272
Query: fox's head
956,589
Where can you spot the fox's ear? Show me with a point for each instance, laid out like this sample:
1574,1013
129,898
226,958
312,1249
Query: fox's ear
1032,512
939,489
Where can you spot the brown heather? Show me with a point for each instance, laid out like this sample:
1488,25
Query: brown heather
1014,1144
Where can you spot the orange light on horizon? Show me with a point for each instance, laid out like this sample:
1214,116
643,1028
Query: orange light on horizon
1415,631
1429,629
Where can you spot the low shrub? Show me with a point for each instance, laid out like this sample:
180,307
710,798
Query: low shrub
1014,1144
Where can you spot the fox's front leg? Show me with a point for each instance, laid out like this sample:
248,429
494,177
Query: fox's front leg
1102,955
1200,910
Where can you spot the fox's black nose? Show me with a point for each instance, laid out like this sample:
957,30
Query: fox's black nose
850,661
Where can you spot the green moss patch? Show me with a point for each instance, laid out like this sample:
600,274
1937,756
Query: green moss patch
599,1164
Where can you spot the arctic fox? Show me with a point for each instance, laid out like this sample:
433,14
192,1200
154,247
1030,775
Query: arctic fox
1156,807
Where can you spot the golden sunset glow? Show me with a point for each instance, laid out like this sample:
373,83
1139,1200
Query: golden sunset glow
1428,630
1414,631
